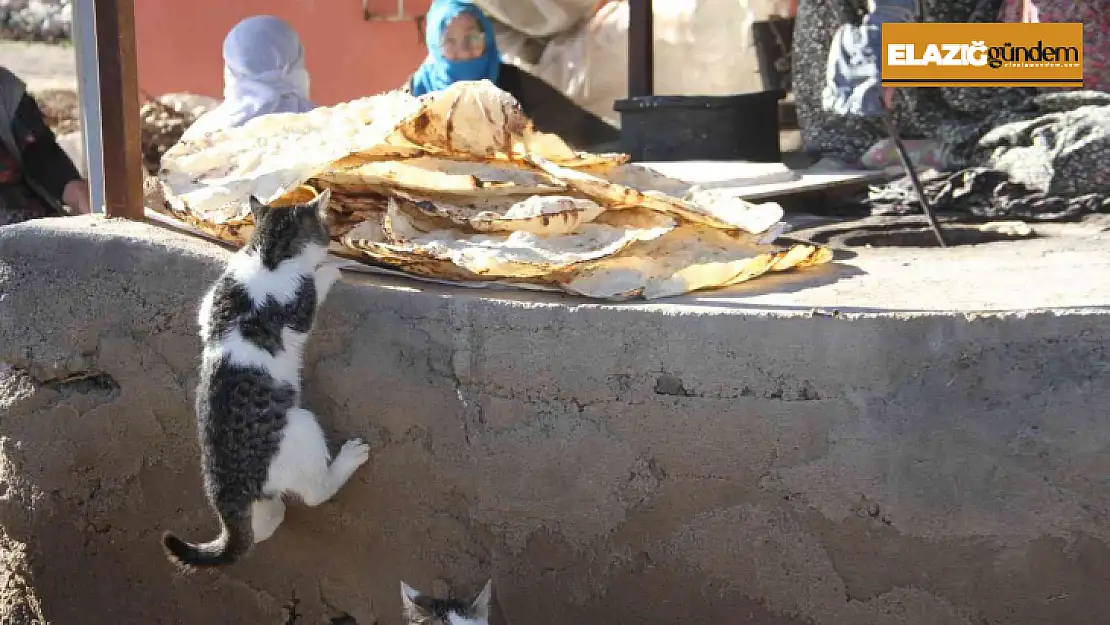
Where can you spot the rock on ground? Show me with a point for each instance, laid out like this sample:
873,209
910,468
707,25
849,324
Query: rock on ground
36,20
163,119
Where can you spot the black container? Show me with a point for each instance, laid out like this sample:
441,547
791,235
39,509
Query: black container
742,127
774,41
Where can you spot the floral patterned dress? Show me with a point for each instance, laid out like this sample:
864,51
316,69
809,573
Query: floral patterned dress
1095,15
1052,142
918,112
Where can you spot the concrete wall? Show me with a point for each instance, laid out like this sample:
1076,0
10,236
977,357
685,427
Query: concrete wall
604,464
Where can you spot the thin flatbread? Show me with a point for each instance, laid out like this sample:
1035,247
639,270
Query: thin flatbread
440,175
469,117
688,259
539,214
517,254
213,176
458,185
536,214
553,148
619,196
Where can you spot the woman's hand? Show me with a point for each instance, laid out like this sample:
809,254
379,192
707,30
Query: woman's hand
76,197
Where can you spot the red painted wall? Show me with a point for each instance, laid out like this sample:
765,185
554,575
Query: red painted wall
179,43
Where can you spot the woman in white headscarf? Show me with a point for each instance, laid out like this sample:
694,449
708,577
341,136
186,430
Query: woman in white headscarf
264,73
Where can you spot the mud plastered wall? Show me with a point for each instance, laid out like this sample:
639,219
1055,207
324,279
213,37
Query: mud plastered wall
602,464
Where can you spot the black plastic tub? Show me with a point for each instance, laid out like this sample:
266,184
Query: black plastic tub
742,127
774,45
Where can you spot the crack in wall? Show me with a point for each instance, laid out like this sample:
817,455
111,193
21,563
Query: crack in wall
672,385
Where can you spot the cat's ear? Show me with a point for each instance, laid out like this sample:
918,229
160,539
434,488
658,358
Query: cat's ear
320,204
408,598
480,608
258,209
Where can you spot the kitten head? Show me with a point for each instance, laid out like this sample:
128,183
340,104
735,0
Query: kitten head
421,609
286,232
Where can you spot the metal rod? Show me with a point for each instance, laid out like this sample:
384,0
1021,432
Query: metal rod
88,90
907,164
119,108
641,49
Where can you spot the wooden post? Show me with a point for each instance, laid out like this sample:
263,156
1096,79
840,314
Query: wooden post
641,49
119,108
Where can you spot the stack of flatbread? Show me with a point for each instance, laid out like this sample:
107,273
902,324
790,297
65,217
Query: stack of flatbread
459,186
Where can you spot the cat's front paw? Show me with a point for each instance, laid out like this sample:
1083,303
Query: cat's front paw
326,276
355,451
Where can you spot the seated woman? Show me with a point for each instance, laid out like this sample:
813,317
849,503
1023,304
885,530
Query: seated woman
943,123
264,73
461,46
37,178
1021,152
917,112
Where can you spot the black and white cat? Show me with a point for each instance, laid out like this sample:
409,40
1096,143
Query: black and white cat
421,609
257,443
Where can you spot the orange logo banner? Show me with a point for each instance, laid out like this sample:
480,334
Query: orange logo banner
935,54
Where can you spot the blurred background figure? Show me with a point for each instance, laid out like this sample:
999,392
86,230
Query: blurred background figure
461,47
264,73
37,178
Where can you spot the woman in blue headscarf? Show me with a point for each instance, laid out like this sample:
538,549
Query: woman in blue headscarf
462,46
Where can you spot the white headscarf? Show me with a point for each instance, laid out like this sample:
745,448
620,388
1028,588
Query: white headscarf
264,73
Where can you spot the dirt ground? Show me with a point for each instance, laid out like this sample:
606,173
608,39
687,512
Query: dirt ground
61,108
162,126
50,71
41,65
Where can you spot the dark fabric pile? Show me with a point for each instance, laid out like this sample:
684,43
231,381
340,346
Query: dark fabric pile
986,194
1018,152
1056,141
1046,159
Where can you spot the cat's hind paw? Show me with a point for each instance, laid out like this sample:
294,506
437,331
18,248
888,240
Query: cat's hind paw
354,452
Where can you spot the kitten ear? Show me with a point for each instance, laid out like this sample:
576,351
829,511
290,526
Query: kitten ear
320,204
480,607
408,596
258,209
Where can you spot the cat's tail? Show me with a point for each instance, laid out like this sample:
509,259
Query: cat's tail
234,541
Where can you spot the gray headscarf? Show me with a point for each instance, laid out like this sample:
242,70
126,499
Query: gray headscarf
11,93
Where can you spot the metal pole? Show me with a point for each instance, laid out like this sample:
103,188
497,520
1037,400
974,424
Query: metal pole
641,49
88,90
907,164
119,108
